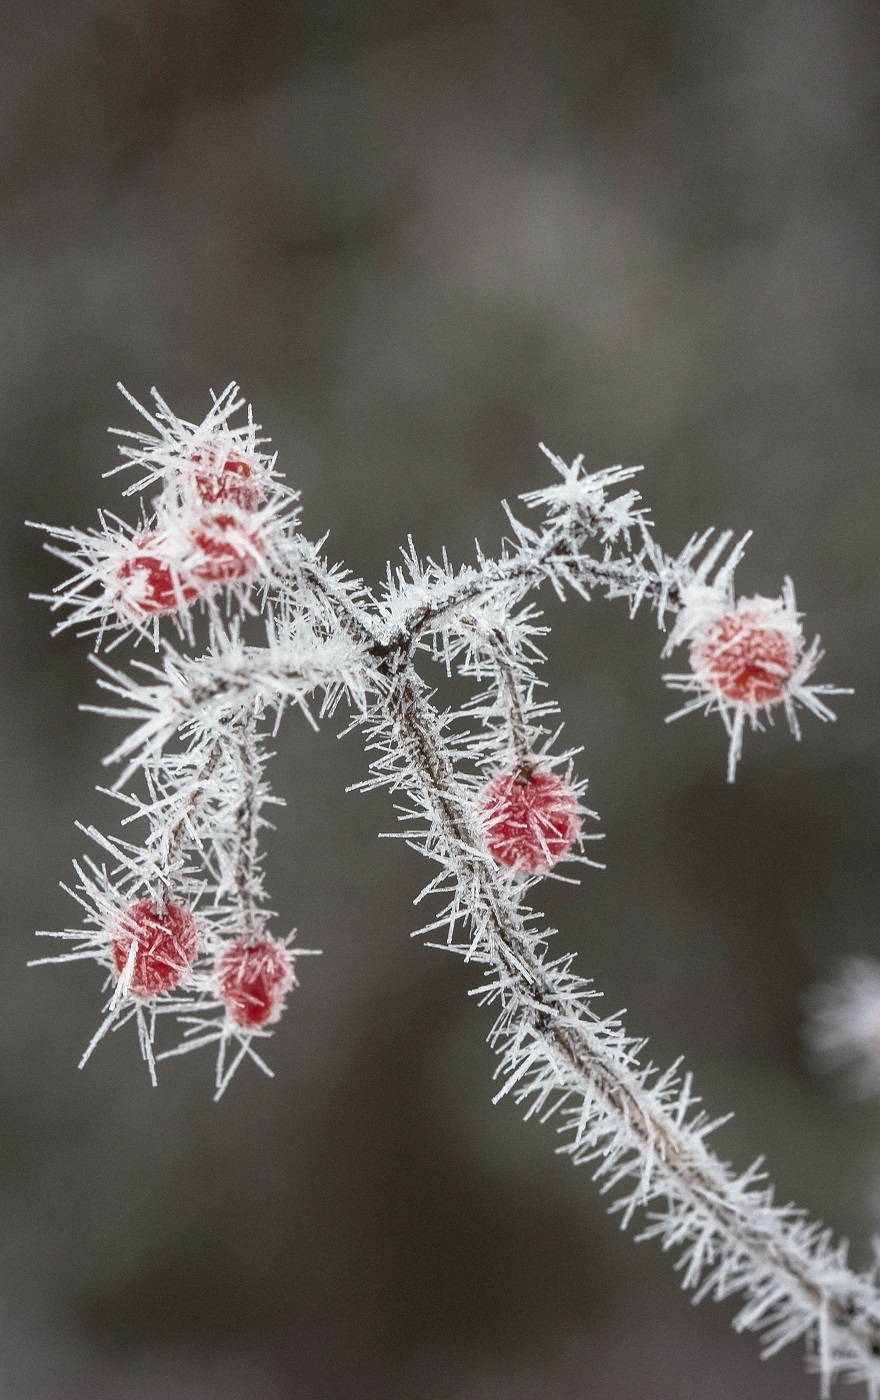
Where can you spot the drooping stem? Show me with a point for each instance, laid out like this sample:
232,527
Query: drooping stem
247,854
174,837
508,688
729,1233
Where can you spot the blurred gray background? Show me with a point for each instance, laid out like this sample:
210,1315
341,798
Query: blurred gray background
423,238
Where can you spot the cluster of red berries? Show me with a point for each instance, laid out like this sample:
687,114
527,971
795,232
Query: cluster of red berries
218,543
529,819
251,976
745,656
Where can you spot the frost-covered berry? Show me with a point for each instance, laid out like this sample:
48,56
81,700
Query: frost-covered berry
146,581
167,945
529,819
746,657
225,550
253,979
749,654
228,479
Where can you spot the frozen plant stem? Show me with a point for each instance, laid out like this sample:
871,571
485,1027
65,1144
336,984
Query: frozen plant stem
463,777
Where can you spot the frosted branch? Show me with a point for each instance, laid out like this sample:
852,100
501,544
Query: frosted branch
178,922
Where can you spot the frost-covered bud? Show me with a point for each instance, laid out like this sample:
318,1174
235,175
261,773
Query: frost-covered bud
165,947
228,478
253,979
529,819
748,654
147,579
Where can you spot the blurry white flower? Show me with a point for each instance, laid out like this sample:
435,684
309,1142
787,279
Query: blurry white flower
843,1028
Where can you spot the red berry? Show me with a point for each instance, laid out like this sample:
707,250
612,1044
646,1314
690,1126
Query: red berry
167,945
228,479
227,552
253,980
745,658
529,819
147,582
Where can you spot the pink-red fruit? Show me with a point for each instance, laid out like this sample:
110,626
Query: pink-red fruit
253,979
745,658
167,945
228,479
529,819
225,552
146,582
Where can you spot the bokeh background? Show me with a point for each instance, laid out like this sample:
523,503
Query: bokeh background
425,237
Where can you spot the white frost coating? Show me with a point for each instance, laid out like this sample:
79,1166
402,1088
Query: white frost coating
197,751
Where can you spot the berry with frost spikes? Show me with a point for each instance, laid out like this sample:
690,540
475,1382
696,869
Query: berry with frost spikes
153,950
843,1026
147,581
748,654
122,581
148,965
747,657
224,476
215,462
252,978
225,550
529,819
